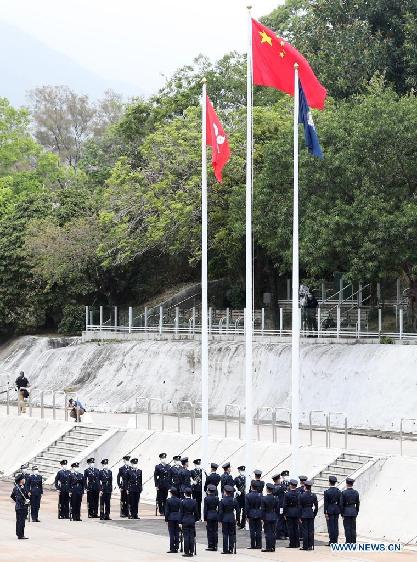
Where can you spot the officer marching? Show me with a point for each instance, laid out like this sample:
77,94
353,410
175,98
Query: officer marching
62,484
240,485
35,490
211,517
134,487
122,483
77,485
332,510
162,479
197,484
106,489
92,485
349,508
228,506
172,517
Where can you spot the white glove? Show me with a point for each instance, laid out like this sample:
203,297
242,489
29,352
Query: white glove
238,493
281,510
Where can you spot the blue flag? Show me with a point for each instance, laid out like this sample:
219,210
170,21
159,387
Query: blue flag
310,133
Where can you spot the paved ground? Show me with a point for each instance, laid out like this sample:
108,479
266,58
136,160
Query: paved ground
120,540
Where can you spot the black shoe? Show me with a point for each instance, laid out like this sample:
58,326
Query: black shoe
123,516
23,538
266,550
251,548
172,551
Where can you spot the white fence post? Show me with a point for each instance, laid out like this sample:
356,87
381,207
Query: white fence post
338,322
161,317
263,321
177,319
227,320
146,318
86,318
193,319
359,322
210,320
101,318
379,320
318,321
115,316
281,321
130,319
401,323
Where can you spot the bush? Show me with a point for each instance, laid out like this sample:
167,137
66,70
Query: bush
73,319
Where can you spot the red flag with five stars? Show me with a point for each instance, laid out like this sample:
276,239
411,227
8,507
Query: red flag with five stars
216,138
273,65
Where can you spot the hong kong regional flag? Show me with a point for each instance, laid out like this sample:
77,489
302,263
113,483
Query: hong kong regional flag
216,138
273,65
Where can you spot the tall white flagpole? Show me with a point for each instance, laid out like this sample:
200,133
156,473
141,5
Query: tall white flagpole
204,298
295,349
248,309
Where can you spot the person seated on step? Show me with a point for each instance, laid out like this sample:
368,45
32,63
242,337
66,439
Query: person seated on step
76,409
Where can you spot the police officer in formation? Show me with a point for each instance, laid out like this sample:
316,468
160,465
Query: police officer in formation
77,486
134,488
184,476
253,506
34,487
162,479
332,510
122,483
213,478
106,489
270,511
62,484
188,518
226,479
175,471
197,485
349,509
92,485
211,505
279,491
228,507
240,484
308,510
291,514
172,517
20,496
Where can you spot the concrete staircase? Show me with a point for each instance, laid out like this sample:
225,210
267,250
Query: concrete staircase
70,445
345,465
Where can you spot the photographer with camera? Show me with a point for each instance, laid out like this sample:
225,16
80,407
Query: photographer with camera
22,392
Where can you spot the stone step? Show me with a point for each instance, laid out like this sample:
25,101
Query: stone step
84,441
65,449
363,459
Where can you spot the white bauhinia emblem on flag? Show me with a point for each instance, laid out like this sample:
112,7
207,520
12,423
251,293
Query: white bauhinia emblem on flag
219,138
310,120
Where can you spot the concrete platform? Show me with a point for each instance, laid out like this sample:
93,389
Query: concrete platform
55,540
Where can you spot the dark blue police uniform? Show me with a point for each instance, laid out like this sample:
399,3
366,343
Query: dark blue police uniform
227,508
211,516
349,509
253,503
172,517
332,511
308,506
35,489
291,514
62,484
188,517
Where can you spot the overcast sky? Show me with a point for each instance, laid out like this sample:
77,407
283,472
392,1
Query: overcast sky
136,41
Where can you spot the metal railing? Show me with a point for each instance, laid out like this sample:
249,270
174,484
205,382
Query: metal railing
329,426
273,421
226,418
191,412
318,427
35,404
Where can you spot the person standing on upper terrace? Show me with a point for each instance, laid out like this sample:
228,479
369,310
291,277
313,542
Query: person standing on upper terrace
22,384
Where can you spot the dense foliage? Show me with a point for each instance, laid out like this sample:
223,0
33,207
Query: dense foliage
102,203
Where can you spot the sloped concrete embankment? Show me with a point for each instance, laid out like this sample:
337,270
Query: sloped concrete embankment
375,385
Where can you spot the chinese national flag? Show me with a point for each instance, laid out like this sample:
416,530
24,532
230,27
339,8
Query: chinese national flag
216,138
273,65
